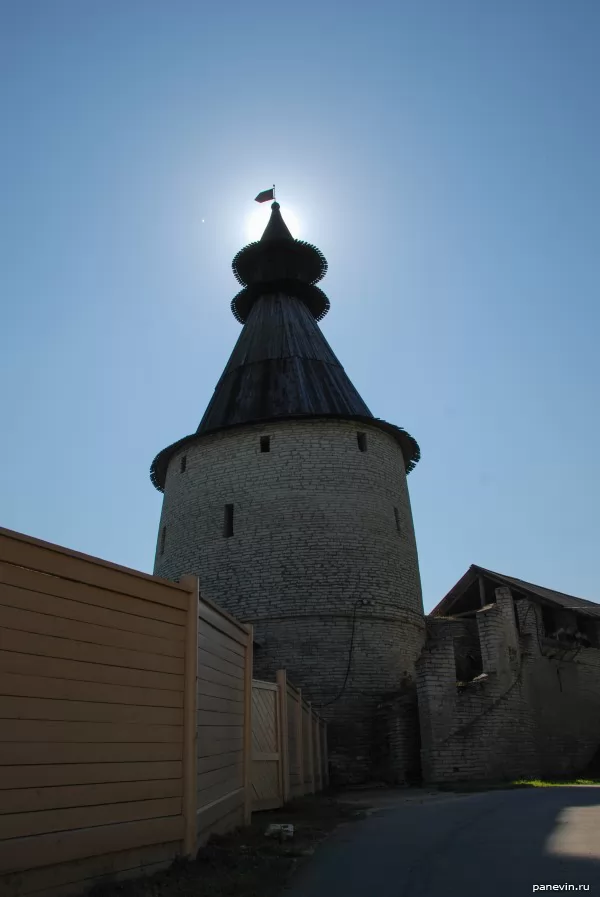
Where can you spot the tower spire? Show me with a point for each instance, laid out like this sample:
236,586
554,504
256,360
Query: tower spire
282,367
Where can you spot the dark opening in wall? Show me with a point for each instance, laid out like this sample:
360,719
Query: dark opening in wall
228,524
163,538
361,438
265,443
397,519
183,463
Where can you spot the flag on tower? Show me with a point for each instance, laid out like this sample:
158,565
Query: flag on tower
265,195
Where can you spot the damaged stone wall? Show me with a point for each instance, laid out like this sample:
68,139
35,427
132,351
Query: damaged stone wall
534,709
396,739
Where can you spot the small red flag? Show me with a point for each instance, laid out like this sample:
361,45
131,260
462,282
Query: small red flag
265,195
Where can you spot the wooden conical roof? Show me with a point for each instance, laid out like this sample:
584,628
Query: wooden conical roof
282,367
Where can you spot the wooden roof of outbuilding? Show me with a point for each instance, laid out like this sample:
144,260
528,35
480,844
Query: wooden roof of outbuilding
541,594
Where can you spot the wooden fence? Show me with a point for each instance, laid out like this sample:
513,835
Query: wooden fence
130,726
124,720
289,745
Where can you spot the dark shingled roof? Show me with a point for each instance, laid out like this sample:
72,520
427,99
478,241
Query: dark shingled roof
542,594
282,367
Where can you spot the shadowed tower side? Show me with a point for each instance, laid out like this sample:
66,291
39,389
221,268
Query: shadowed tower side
290,502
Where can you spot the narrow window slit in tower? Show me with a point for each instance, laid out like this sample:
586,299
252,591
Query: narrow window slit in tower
362,441
163,538
183,463
228,526
397,516
265,443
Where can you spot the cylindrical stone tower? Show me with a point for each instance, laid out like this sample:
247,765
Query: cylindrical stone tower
290,503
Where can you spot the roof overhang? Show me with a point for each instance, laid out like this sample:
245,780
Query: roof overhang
410,449
520,588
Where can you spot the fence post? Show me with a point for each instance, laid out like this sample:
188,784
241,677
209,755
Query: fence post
311,746
325,754
190,719
319,764
284,757
248,727
300,741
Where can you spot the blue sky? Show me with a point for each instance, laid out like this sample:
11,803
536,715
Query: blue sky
444,157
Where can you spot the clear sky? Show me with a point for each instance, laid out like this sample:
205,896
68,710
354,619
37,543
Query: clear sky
445,158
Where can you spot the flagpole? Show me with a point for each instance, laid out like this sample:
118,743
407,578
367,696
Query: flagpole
274,198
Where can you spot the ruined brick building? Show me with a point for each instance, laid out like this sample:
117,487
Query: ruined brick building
509,681
290,503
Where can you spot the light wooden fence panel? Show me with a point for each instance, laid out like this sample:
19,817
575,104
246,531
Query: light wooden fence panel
324,756
267,792
316,739
224,686
295,741
307,749
91,719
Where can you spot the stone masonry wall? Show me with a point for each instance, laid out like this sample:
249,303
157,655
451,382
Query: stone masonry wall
534,711
322,561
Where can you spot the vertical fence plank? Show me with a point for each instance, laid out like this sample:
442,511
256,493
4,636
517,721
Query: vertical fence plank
300,736
319,764
248,728
311,747
190,729
325,756
284,760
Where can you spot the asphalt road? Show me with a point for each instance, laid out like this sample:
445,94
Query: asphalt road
493,844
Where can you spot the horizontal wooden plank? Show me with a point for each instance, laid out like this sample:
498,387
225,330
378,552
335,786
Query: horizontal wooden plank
32,665
206,650
209,603
218,690
219,790
232,774
213,662
85,711
209,814
118,878
19,825
34,800
264,757
17,753
46,775
218,732
214,718
209,674
57,561
218,761
215,747
53,730
264,686
81,874
68,649
147,613
58,847
81,612
209,619
17,685
212,636
222,825
221,705
88,633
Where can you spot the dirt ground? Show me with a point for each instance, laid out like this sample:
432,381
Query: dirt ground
245,863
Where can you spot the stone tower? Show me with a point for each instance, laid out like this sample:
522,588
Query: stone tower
290,503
